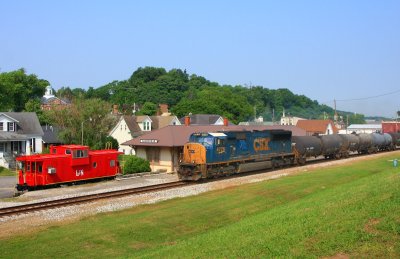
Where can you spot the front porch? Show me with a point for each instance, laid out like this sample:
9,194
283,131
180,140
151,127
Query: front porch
13,145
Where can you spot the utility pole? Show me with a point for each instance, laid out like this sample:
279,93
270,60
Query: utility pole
335,116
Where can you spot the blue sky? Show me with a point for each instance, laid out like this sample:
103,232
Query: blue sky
323,49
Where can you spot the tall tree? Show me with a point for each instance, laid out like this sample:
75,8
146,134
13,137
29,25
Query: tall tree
16,88
88,121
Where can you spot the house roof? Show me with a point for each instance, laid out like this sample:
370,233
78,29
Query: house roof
365,126
12,136
178,135
131,123
52,99
28,123
161,121
202,119
316,126
50,135
142,118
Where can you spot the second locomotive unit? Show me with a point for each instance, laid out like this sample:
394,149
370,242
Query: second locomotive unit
209,155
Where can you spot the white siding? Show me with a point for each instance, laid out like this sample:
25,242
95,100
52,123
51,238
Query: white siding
122,134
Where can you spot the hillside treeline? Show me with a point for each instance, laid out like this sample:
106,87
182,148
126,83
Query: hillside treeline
183,93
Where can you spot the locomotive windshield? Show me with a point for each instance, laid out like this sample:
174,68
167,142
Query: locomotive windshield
205,141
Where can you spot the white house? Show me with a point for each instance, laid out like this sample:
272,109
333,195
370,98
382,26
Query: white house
20,133
362,128
130,127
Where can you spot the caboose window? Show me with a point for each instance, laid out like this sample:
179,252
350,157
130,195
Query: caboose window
79,153
39,168
112,163
68,152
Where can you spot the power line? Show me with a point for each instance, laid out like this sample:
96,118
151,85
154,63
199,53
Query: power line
360,99
370,97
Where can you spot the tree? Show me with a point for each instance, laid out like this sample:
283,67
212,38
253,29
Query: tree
92,116
16,88
34,105
148,108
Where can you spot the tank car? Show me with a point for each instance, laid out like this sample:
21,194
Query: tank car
351,143
66,164
378,142
214,154
388,141
365,143
332,146
395,139
305,147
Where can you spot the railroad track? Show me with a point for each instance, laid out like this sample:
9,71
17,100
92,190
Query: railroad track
21,209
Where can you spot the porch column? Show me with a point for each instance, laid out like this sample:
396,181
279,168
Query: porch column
27,147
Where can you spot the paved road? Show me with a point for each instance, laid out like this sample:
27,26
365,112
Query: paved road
7,185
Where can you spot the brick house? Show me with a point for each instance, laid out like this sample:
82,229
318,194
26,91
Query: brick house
317,127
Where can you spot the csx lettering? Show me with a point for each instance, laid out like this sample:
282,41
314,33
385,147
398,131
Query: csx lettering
261,144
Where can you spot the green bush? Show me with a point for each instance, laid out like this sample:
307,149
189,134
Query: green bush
134,164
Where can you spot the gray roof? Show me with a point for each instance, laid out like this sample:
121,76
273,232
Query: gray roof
12,136
202,119
365,126
51,135
28,123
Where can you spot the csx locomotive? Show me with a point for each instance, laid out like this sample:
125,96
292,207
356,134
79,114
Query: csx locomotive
210,155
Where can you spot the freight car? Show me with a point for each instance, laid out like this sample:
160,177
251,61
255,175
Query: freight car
66,164
210,155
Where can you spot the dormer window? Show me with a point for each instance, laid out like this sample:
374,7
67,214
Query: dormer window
11,126
146,126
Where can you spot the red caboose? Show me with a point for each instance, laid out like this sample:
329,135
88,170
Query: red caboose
66,164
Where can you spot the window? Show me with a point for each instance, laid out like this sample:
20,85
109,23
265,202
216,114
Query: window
2,147
112,163
1,125
94,165
153,155
11,126
39,168
32,144
146,126
220,142
68,152
80,153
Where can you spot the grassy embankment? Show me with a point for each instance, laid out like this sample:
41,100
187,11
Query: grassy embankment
6,172
351,210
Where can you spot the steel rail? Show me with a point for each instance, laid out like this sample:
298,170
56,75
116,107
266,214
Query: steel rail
32,207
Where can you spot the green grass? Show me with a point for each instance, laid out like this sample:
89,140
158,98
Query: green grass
6,172
352,210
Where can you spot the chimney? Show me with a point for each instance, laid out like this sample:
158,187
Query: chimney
225,121
115,109
187,120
